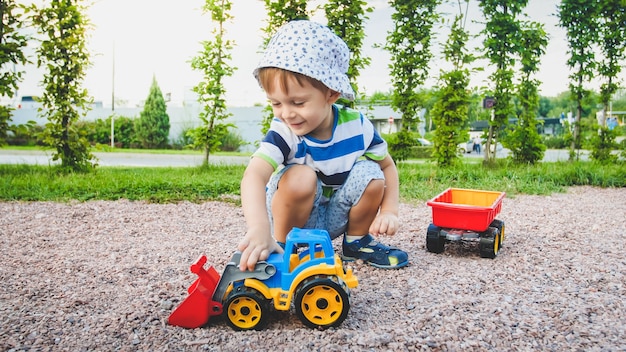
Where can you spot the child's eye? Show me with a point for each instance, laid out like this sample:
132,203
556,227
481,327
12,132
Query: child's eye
298,103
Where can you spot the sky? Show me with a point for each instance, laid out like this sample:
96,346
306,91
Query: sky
133,41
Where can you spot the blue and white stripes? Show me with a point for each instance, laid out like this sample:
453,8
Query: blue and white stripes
354,137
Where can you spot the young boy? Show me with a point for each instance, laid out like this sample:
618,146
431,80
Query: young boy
320,165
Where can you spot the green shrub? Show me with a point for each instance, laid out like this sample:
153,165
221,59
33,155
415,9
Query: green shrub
124,131
556,142
184,140
420,152
403,145
99,131
231,142
25,135
602,145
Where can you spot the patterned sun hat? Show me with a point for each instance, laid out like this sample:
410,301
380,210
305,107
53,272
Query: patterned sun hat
311,49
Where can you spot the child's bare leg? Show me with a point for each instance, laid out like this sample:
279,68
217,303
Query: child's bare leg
293,201
363,213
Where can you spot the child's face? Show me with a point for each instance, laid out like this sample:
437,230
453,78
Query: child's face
305,109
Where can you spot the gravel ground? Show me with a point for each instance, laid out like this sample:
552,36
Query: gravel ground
106,275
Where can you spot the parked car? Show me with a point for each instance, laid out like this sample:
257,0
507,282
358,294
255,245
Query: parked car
424,142
468,147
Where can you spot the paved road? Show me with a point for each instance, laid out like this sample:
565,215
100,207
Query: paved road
551,155
37,157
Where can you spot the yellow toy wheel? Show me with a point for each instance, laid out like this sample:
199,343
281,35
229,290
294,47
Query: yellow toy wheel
499,224
246,310
322,303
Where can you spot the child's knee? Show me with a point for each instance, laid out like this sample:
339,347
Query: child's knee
376,186
372,195
299,181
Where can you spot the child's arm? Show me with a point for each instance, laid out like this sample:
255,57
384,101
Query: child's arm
386,222
257,243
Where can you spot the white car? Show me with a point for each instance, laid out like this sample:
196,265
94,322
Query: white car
424,142
468,147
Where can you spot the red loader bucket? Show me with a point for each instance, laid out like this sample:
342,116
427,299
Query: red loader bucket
199,306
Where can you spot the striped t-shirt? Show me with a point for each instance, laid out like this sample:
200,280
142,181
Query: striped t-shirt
353,137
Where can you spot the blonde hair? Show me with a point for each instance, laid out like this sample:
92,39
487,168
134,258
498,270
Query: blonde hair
267,78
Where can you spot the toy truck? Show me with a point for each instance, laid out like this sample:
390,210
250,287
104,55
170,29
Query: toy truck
308,273
466,214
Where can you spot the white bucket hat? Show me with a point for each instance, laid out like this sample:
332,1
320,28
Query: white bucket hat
311,49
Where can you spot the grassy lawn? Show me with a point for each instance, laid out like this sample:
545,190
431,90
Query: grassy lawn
418,181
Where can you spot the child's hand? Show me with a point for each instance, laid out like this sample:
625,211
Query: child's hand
255,248
384,223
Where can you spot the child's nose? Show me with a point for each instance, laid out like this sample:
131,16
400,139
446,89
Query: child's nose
287,113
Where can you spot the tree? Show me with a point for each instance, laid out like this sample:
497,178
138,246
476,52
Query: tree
612,42
501,45
63,52
545,105
451,110
280,12
525,142
212,62
579,18
409,46
12,44
345,18
153,126
602,145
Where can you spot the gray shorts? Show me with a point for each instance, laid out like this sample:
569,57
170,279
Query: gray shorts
331,214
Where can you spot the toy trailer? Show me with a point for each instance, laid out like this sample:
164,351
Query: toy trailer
466,214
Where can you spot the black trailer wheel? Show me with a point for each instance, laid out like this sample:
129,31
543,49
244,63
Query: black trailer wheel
246,309
435,243
322,303
499,224
489,243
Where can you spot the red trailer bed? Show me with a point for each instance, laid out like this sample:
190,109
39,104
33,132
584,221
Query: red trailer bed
466,209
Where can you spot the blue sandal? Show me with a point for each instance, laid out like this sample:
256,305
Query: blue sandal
374,253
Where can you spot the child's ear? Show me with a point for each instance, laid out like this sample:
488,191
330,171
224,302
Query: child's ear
333,96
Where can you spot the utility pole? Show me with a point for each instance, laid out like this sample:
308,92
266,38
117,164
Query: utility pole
113,100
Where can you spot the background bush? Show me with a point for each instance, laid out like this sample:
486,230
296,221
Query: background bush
232,142
99,131
555,142
25,135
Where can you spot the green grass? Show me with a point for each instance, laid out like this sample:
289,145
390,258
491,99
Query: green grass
418,181
425,181
44,183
